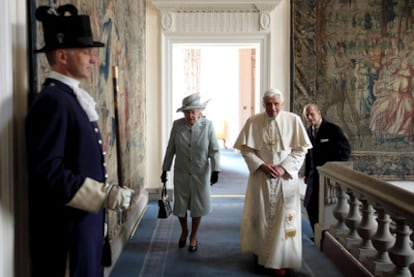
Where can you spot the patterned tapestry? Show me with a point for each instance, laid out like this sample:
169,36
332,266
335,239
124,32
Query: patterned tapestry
120,24
355,59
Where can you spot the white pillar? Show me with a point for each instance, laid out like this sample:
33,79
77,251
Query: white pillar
6,144
19,28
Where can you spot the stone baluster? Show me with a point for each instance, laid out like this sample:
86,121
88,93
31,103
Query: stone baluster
366,230
382,241
330,197
340,212
352,221
401,254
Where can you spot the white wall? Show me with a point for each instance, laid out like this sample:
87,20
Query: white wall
153,98
280,50
279,78
13,99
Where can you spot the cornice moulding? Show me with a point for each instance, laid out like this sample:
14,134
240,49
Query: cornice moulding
215,5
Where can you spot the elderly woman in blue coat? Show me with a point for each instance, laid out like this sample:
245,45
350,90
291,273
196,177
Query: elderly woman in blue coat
194,145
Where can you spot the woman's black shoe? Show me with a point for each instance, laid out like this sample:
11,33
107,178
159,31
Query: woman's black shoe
181,243
193,248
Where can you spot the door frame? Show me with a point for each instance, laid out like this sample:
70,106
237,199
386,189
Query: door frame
260,41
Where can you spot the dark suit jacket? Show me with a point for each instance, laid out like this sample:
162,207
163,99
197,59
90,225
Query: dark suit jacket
63,148
330,144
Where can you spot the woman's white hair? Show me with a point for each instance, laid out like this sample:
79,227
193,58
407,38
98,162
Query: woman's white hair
272,92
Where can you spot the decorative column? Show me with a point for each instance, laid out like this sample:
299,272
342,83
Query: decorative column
340,212
352,221
382,241
401,254
366,230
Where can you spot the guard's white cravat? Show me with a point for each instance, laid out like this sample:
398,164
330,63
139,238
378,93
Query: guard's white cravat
85,100
87,103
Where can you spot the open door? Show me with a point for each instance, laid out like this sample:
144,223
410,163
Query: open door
247,84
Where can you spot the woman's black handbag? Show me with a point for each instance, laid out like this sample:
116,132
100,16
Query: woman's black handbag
164,204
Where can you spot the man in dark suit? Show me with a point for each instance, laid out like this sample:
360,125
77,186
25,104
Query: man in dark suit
329,144
68,191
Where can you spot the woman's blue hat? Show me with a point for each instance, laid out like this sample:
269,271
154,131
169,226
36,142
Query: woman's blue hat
192,102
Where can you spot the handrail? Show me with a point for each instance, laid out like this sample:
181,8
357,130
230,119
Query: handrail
396,200
372,221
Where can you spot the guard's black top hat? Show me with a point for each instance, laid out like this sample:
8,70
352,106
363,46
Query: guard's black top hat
65,31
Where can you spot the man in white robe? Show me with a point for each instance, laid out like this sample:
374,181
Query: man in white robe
274,145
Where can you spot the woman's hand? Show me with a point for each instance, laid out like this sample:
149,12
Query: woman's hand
214,177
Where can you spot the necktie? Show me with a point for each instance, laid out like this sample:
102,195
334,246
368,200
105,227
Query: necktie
314,132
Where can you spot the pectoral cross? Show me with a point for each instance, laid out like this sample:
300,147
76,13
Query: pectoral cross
272,137
271,144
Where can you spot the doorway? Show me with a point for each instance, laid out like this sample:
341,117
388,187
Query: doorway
225,75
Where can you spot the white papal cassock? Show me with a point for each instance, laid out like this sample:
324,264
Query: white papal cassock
271,221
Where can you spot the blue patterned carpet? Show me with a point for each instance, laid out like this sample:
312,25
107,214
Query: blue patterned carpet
153,251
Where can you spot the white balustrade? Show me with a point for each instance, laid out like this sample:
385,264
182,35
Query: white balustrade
382,241
401,254
366,230
340,211
352,221
372,220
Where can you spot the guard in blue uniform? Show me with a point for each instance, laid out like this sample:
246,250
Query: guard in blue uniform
68,192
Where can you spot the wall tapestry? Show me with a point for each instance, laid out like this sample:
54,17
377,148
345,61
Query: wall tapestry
355,59
120,24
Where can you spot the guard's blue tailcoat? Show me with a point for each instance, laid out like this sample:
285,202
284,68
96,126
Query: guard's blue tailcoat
63,148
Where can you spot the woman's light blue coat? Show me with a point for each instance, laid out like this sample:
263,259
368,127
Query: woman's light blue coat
196,153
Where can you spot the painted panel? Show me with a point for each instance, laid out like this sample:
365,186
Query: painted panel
355,59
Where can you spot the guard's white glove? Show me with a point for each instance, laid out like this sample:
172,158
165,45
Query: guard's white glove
118,198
